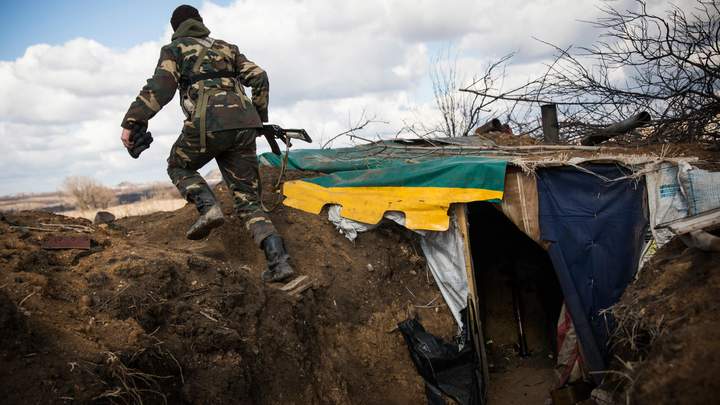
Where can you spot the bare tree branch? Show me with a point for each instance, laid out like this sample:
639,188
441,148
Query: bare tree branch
360,124
666,64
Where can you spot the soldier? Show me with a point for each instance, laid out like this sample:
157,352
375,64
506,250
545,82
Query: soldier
220,122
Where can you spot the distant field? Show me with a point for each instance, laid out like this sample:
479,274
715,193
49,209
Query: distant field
130,199
128,210
45,202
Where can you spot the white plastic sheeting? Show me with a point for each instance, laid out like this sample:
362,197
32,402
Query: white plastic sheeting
677,191
701,188
444,253
350,228
665,200
346,227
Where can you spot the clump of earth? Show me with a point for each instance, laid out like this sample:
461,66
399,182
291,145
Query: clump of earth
667,345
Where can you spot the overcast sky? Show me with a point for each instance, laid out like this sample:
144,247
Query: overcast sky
70,69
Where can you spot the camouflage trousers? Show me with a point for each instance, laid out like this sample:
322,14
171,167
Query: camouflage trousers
235,153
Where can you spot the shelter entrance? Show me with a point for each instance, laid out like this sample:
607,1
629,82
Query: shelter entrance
519,300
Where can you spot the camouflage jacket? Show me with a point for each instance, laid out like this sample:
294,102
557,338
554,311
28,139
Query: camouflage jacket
222,99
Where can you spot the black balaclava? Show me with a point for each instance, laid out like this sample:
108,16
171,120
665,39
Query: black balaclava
183,13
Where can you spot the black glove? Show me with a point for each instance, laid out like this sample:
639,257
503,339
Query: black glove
140,138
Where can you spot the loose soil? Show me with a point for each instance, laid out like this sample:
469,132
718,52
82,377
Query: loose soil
503,138
708,155
668,343
147,315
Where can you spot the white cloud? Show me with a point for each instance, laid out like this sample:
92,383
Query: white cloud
61,105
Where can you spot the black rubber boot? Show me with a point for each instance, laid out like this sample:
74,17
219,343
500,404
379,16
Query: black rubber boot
209,220
277,259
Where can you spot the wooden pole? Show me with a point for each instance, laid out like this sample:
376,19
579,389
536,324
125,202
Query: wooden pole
475,323
618,128
551,129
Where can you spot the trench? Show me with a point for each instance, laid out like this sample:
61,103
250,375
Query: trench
514,275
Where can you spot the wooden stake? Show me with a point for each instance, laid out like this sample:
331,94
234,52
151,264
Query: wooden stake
475,323
551,129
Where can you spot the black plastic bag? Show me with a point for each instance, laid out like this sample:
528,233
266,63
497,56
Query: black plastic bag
450,369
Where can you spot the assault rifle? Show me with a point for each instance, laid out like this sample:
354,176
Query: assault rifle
140,138
272,132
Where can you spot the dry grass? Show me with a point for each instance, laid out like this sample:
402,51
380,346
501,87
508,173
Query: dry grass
130,386
634,334
128,210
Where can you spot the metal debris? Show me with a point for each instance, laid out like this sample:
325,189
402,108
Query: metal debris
66,242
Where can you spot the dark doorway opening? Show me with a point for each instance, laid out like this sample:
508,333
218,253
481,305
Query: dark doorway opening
520,300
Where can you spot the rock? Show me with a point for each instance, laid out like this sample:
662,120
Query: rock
86,301
103,217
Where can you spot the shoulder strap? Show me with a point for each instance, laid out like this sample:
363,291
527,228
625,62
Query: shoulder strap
203,95
207,44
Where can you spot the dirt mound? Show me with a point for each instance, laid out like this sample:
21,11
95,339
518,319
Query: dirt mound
668,340
506,139
146,315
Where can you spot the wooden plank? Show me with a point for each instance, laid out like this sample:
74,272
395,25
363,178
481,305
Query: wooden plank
520,202
296,286
296,292
461,217
705,220
475,326
291,285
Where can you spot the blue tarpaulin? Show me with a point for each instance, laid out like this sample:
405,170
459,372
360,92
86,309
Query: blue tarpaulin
596,228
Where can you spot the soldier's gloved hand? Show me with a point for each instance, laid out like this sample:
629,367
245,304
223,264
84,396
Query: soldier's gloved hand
125,138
